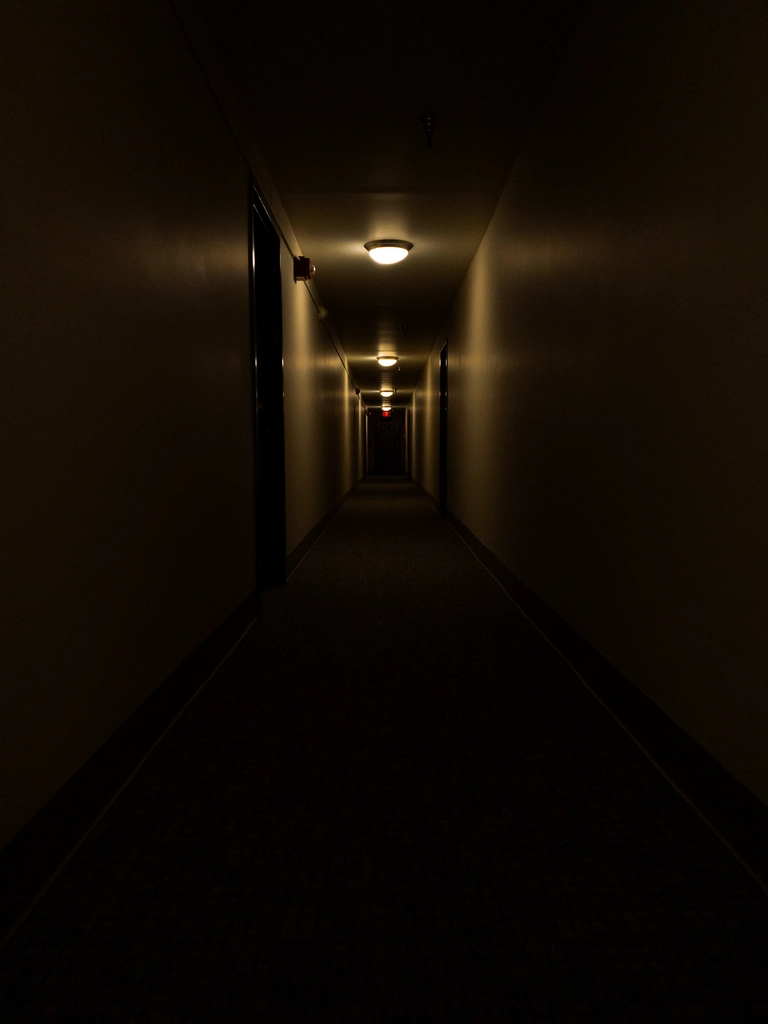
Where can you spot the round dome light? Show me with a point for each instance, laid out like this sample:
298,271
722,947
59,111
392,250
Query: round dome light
386,392
388,250
387,360
385,407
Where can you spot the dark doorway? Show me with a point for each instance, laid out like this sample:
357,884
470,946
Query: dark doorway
386,442
267,321
443,496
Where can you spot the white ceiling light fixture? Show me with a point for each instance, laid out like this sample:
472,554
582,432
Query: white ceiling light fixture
386,407
387,360
386,392
388,250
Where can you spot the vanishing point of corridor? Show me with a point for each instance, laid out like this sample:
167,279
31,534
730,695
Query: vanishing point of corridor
394,802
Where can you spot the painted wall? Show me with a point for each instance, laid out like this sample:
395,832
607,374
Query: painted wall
608,359
322,414
425,423
127,515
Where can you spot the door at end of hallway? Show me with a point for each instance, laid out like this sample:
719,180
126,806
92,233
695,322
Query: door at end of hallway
386,442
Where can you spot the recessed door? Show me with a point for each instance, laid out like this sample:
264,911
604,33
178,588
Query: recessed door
386,451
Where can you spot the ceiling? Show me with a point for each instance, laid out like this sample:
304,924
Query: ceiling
336,93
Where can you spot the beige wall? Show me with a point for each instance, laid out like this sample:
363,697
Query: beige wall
127,514
425,423
608,362
322,414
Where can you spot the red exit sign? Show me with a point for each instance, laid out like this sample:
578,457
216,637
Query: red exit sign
385,414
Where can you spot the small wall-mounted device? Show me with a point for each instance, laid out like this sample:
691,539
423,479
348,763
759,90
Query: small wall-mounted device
303,268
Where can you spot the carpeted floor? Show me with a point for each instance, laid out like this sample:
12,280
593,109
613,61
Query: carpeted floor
395,803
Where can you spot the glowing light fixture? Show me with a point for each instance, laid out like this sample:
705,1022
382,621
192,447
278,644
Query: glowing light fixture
386,392
388,250
385,407
387,360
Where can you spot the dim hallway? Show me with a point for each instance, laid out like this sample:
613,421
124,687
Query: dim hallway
394,802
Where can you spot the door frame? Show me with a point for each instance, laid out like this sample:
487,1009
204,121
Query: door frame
267,363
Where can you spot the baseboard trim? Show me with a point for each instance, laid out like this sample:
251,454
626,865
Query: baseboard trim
725,803
30,861
425,494
301,550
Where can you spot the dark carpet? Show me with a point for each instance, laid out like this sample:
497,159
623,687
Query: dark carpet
395,803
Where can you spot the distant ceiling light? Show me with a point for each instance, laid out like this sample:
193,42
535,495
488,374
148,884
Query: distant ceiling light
385,407
386,392
388,250
387,360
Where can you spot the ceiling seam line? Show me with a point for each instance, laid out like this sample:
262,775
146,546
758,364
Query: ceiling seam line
228,123
254,179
